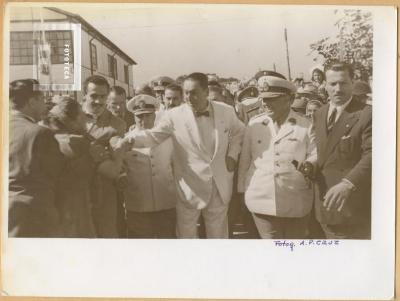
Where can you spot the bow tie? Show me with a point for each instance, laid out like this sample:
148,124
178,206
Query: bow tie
204,113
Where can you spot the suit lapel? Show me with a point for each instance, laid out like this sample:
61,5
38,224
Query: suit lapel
344,124
219,126
192,128
286,128
321,130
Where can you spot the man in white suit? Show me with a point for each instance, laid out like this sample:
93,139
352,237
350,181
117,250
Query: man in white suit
275,145
207,139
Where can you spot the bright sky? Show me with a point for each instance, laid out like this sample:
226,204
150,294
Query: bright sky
229,40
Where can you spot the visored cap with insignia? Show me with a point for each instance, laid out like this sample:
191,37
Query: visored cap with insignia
142,104
274,86
260,74
249,92
310,91
161,82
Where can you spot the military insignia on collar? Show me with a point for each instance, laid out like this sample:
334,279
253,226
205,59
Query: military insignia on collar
265,122
292,121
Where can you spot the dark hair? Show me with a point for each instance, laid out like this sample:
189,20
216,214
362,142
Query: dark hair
340,66
199,77
97,80
213,83
21,91
65,108
118,90
318,71
174,87
215,89
227,93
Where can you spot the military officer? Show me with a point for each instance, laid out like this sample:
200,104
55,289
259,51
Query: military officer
247,103
150,194
276,144
252,106
303,96
159,84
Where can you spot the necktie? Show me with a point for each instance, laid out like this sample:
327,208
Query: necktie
204,113
331,120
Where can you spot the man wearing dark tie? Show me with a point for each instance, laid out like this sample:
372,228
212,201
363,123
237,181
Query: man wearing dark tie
343,130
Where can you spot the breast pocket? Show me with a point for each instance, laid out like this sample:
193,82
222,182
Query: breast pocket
346,145
291,145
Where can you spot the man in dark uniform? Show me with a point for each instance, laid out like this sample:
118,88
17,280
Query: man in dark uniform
159,85
35,163
343,130
102,126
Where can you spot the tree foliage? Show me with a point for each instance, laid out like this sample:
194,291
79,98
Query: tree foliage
353,42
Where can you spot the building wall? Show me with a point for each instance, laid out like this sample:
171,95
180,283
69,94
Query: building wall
27,71
102,63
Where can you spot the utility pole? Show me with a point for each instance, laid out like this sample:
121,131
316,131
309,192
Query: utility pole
287,54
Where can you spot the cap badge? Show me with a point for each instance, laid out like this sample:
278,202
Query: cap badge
142,104
292,121
264,87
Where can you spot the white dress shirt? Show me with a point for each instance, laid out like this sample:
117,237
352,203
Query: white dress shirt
206,126
339,109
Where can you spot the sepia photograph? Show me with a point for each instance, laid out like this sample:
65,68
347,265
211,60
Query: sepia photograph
164,131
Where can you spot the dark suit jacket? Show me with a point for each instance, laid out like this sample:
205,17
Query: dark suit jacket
35,162
345,153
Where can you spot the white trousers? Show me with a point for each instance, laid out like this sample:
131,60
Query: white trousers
215,216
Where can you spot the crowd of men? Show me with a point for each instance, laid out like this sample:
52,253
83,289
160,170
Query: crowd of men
185,159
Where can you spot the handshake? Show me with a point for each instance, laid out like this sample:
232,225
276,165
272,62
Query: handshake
123,144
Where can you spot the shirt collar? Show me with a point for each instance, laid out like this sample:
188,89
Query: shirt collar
209,108
18,113
339,108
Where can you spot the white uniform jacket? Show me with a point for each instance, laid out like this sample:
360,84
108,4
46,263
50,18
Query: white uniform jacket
150,183
267,175
194,169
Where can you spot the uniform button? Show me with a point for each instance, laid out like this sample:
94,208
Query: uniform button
152,165
153,174
276,154
276,164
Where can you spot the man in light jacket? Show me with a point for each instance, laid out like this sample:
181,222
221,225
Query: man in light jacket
207,140
275,145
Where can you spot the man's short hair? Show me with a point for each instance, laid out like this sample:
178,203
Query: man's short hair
174,87
118,90
340,66
97,80
216,89
199,77
21,91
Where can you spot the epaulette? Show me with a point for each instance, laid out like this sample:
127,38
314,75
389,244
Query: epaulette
259,118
